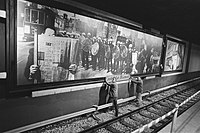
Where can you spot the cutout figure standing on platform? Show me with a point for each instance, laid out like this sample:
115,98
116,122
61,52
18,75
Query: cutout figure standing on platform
113,94
139,89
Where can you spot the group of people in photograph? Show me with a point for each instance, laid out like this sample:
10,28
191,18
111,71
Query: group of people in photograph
117,57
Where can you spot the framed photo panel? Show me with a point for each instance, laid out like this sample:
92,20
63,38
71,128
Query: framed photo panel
69,46
174,57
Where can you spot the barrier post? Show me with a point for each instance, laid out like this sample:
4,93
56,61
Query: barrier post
174,119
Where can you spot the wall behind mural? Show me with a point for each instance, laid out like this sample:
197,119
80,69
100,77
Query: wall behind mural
194,63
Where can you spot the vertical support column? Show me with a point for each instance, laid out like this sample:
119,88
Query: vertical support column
11,47
174,120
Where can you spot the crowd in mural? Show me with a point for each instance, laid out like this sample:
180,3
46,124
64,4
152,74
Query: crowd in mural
116,57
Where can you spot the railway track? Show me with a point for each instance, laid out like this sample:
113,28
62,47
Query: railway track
157,111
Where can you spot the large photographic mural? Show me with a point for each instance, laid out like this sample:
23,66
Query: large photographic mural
174,56
55,45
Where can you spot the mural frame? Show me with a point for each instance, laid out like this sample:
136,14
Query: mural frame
11,41
180,42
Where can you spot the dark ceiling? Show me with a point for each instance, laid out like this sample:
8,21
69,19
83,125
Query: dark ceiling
180,18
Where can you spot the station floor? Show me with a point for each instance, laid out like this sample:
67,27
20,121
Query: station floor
188,122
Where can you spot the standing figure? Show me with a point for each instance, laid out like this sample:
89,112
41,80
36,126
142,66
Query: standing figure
101,54
94,52
111,45
155,61
116,57
87,43
140,62
148,61
134,61
113,94
107,55
124,52
129,64
80,48
139,89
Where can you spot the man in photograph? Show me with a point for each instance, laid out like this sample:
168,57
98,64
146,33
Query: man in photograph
32,71
94,52
101,54
116,56
80,49
149,63
141,61
87,43
129,63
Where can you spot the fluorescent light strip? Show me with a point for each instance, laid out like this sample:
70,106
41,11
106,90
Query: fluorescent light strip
2,14
171,74
150,77
3,75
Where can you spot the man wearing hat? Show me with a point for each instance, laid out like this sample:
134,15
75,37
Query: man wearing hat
87,43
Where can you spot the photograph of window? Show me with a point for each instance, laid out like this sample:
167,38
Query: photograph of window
55,45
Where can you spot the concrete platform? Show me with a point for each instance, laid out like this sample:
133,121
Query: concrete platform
188,122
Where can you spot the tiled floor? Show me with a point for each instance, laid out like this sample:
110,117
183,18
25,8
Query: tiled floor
188,122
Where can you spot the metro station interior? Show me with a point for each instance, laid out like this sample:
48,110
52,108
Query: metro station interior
66,63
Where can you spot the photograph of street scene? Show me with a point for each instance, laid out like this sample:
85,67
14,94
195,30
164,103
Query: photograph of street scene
55,45
174,56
